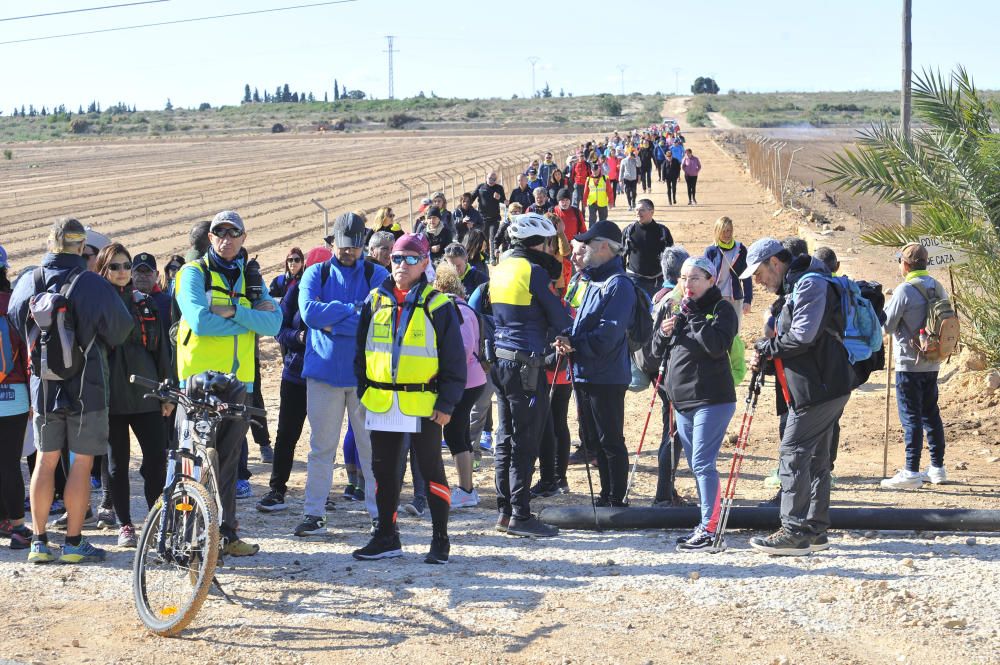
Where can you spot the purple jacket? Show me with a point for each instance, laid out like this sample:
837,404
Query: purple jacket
691,165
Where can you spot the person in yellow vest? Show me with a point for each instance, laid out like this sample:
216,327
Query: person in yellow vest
217,331
411,372
597,193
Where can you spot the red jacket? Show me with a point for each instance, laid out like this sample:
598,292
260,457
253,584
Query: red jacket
19,373
613,164
572,219
580,172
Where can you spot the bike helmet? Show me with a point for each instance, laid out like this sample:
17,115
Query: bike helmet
530,225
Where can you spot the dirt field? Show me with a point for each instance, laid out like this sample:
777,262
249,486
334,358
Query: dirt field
583,597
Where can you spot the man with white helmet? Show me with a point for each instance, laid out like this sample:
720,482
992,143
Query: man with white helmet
525,308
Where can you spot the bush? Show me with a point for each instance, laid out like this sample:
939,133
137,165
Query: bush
473,113
204,106
560,119
79,125
277,128
400,120
8,154
609,105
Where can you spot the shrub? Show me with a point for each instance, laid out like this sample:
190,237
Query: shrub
473,113
277,128
609,105
8,154
204,106
400,120
79,125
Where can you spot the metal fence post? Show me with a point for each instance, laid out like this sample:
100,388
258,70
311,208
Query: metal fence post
409,200
326,217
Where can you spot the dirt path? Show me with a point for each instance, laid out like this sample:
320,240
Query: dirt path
583,597
720,121
676,107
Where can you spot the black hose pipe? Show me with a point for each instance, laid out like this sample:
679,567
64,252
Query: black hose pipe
765,519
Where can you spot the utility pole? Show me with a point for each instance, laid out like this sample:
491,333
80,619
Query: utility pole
677,81
621,70
390,51
534,61
905,215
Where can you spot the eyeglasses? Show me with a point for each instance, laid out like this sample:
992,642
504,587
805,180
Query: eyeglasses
294,259
410,260
230,231
120,266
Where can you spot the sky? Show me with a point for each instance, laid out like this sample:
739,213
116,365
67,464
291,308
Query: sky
478,49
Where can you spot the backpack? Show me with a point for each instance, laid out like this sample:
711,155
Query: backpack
8,353
640,328
939,336
873,293
862,333
324,272
56,354
486,330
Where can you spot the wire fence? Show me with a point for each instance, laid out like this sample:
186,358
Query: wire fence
770,163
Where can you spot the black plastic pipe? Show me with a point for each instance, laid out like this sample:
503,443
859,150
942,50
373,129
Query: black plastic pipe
877,519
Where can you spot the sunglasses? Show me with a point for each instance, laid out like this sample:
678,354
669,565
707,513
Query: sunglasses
398,259
294,259
230,231
120,266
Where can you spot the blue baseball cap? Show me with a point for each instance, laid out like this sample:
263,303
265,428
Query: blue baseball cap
3,257
758,252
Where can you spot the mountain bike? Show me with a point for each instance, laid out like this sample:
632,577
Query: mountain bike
180,544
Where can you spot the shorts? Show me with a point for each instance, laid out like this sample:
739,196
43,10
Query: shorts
81,433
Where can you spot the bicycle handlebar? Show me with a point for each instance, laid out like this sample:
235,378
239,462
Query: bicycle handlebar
165,393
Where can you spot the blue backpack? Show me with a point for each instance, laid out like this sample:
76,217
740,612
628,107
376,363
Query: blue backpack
862,334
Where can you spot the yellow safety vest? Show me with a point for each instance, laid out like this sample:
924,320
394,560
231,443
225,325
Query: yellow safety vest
577,287
225,353
410,374
598,192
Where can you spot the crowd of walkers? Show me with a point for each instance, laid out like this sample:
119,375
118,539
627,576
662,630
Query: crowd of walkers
410,335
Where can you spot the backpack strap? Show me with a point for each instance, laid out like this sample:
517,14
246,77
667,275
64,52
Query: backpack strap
324,273
369,271
38,274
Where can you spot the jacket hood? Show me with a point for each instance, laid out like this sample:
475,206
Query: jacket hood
605,270
800,266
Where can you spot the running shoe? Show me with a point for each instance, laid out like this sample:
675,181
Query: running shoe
486,441
438,554
462,499
20,537
85,552
698,530
106,518
312,525
239,547
531,527
904,480
782,542
126,536
359,493
272,503
543,490
380,547
330,505
349,492
267,454
243,489
936,475
579,457
40,553
88,520
57,507
95,484
5,528
701,540
477,464
503,523
416,507
819,542
562,487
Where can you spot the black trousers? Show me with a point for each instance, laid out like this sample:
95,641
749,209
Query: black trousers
291,418
692,183
12,430
151,432
645,176
456,432
261,435
666,462
630,195
522,411
553,454
603,409
387,448
490,227
658,166
671,189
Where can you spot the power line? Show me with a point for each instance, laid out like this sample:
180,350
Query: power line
534,61
183,20
77,11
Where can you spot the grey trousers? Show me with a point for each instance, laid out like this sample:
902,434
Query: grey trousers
480,412
804,465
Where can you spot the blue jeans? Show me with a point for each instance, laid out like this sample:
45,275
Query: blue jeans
917,402
701,431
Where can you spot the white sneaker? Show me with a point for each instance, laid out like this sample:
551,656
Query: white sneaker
904,480
462,499
935,474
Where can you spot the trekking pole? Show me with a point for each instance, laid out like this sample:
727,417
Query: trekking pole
642,438
888,388
756,379
586,453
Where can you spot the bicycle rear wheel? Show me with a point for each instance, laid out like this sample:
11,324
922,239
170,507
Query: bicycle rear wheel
169,588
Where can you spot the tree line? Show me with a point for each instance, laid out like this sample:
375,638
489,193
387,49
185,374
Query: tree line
283,94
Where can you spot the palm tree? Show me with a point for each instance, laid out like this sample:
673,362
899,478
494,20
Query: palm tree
949,171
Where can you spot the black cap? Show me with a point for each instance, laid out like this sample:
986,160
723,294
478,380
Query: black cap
144,259
433,211
607,230
348,231
564,193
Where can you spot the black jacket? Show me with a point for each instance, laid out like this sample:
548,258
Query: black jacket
813,361
489,207
643,246
522,196
146,353
698,371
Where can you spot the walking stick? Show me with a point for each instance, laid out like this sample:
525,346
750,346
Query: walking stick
888,388
642,438
586,453
756,379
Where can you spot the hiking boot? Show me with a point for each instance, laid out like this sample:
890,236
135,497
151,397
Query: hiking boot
272,503
819,542
267,454
349,492
243,489
40,553
700,540
239,547
543,490
126,536
380,547
438,553
936,475
773,502
85,552
503,523
106,518
312,525
782,542
904,480
60,522
20,537
530,527
462,499
416,507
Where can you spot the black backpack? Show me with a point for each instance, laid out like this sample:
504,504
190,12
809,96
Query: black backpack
640,328
324,272
56,354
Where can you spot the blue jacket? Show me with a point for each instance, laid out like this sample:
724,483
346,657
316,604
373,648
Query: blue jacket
742,288
545,172
598,336
292,343
677,150
329,354
99,314
524,306
472,279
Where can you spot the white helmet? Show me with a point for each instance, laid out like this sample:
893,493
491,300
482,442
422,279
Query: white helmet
530,224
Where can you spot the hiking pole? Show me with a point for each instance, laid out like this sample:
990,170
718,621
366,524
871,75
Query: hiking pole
756,379
642,438
586,453
888,388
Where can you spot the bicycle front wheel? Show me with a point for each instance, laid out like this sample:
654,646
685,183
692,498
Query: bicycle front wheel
169,584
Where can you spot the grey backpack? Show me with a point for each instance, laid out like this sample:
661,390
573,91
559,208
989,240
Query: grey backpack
56,354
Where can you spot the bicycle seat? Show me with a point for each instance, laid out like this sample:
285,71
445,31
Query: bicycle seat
211,383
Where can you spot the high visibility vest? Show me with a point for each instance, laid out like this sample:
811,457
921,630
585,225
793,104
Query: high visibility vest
577,287
597,192
222,353
398,362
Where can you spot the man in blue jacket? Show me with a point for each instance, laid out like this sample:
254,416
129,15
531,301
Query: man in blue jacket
331,295
72,413
600,356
